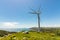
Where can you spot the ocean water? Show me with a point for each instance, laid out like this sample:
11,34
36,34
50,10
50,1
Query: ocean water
15,29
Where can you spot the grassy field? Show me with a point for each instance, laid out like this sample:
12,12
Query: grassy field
31,36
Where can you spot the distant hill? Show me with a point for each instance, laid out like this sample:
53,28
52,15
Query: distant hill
45,29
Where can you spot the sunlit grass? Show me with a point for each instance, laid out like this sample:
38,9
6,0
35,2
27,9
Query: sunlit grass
32,36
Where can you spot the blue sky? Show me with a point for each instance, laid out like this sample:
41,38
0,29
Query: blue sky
15,13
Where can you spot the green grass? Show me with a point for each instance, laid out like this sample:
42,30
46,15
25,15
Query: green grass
32,36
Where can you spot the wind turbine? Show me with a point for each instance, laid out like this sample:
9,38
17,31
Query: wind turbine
37,12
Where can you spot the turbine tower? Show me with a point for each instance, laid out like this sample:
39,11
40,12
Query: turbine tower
37,12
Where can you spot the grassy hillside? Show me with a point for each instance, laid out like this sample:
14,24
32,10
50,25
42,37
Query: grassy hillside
31,36
44,34
3,33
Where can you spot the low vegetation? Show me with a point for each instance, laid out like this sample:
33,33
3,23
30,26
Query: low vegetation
3,33
45,34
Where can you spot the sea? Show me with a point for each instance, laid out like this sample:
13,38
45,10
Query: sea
15,29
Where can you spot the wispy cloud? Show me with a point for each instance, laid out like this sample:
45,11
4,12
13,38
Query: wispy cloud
19,25
15,25
8,25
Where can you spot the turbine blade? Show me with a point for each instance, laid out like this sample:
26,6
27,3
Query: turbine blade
32,12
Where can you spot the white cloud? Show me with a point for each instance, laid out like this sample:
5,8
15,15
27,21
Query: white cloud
8,25
50,25
19,25
15,25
